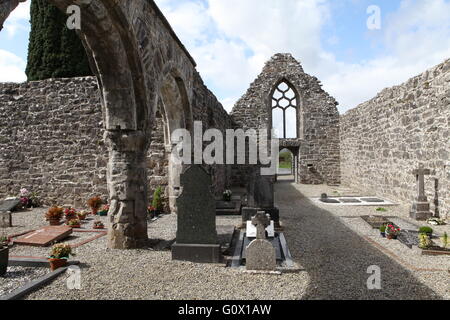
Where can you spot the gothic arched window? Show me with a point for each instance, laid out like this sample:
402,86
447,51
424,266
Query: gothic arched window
284,111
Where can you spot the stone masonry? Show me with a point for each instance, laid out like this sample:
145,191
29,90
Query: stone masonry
386,138
317,145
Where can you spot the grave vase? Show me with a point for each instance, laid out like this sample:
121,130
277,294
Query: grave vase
54,222
57,263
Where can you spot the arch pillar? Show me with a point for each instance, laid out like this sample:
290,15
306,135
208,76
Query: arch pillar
128,184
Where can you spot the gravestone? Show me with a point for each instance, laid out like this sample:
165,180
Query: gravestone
232,207
9,204
252,231
45,236
196,234
421,207
5,219
260,253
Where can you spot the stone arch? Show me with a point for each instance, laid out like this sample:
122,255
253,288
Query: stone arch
177,113
298,105
119,38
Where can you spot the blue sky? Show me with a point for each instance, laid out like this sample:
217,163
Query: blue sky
231,40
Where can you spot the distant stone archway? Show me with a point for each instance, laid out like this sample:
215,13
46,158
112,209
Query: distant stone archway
127,44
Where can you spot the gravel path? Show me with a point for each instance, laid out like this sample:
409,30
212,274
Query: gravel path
336,255
329,244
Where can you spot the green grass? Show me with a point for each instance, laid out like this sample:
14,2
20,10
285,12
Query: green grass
285,165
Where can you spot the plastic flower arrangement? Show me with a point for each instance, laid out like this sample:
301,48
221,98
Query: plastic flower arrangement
61,251
70,213
73,222
24,197
392,230
54,213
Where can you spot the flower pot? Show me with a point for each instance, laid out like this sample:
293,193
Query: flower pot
4,256
391,237
82,217
54,222
57,263
103,213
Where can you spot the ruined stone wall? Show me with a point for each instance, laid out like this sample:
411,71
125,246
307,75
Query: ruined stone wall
318,118
51,140
383,140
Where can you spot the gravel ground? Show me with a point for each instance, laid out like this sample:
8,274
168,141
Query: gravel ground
330,248
334,251
17,277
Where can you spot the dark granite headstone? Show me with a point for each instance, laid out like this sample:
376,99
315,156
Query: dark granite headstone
196,234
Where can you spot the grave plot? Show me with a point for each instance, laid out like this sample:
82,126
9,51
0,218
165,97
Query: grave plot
260,247
353,201
18,276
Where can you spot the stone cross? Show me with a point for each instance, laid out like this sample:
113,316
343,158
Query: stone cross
420,176
261,221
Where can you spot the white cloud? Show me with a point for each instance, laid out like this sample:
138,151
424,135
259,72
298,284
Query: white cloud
232,39
18,21
11,67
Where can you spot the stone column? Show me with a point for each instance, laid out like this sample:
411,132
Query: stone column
127,184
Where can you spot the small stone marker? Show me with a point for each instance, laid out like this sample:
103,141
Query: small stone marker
252,226
260,253
5,219
45,236
196,234
421,207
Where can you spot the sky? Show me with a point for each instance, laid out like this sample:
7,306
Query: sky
232,39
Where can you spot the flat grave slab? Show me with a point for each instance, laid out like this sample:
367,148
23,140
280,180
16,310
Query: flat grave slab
372,200
375,221
9,205
409,238
44,236
349,200
329,200
354,201
232,207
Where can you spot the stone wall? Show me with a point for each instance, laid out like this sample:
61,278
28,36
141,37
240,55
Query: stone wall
51,140
383,140
317,143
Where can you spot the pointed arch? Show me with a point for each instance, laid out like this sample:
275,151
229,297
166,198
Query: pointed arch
285,110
